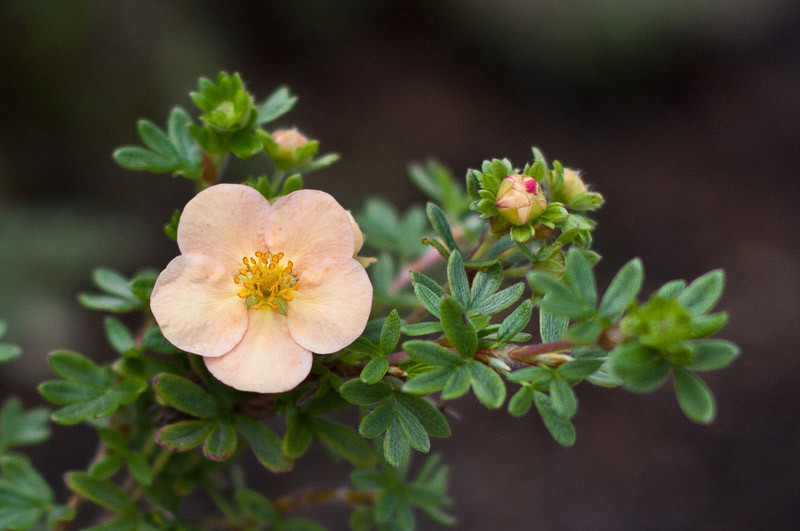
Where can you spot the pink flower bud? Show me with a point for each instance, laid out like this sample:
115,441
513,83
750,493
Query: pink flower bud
573,185
520,199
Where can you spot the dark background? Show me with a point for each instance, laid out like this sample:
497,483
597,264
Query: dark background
685,114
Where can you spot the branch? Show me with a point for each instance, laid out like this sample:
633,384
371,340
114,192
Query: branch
302,498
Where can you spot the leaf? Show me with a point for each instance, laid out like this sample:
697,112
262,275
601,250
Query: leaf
299,433
694,397
119,337
428,282
712,354
267,446
459,330
112,282
457,278
521,402
559,427
703,293
428,381
156,139
181,138
422,329
377,421
18,428
344,441
183,435
154,340
137,158
395,445
579,274
292,183
142,287
178,392
428,416
552,326
245,144
642,370
139,469
671,289
500,300
108,303
73,366
584,333
563,398
221,442
9,352
486,282
442,227
276,105
427,298
374,370
390,333
487,385
516,322
577,370
412,428
431,354
622,291
360,393
256,506
101,492
457,383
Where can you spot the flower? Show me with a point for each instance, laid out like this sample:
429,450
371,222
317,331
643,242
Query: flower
259,287
520,199
288,142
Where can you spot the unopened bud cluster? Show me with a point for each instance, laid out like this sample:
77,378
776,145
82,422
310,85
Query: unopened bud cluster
520,199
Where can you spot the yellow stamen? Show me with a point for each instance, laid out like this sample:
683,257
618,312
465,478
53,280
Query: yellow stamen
265,283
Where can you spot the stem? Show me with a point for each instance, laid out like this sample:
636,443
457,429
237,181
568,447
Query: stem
527,351
427,260
293,502
158,465
222,504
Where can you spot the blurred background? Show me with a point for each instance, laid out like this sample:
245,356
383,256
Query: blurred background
685,114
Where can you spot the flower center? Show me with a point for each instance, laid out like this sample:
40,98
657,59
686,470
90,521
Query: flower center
265,282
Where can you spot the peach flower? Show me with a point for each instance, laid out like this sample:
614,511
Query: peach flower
259,287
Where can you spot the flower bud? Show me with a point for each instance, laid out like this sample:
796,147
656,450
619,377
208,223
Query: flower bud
573,185
520,199
288,141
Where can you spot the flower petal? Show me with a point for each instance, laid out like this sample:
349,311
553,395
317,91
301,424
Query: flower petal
308,225
267,360
195,304
224,222
331,307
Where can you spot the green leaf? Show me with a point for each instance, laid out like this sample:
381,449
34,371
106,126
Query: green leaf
299,433
221,442
245,144
694,397
521,402
579,274
119,337
178,392
178,131
457,383
457,278
18,428
9,352
622,291
111,282
641,368
515,322
703,293
442,227
137,158
154,340
256,506
427,298
107,466
428,416
183,435
422,329
344,441
377,421
428,381
459,330
705,325
487,385
73,366
712,354
499,301
428,282
142,287
156,139
431,354
390,333
671,289
559,427
107,303
486,282
563,398
585,332
551,326
139,469
395,445
363,344
276,105
363,394
577,370
414,431
63,392
266,445
101,492
374,370
292,183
